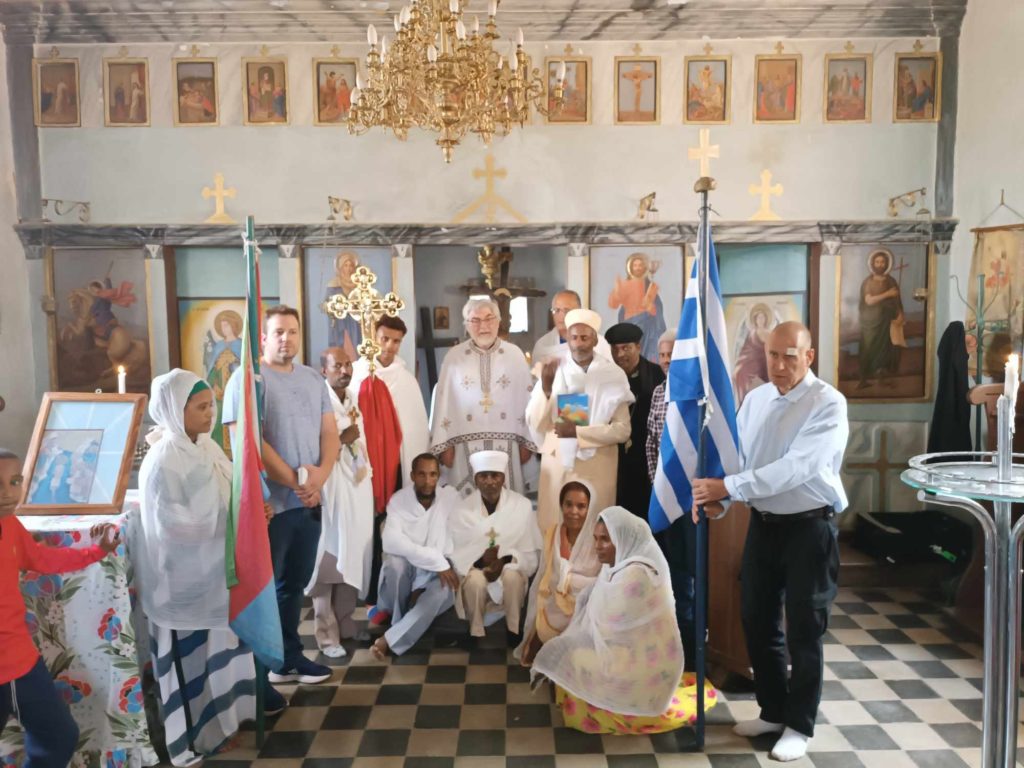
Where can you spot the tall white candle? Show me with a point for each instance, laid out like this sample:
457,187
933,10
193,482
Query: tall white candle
1012,380
122,380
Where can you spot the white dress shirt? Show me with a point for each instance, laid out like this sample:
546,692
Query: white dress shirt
792,448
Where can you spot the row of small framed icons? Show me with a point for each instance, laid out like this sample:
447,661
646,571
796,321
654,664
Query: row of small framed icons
847,90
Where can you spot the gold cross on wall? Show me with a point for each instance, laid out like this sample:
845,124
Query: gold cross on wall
490,200
568,49
766,190
704,152
707,49
366,305
194,50
918,47
335,51
779,47
848,47
219,193
637,49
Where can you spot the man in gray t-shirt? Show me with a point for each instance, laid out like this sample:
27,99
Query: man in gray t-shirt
299,431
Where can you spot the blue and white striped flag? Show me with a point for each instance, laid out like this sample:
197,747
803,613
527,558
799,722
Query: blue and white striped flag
693,372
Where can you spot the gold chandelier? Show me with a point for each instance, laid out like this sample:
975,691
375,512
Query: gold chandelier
439,76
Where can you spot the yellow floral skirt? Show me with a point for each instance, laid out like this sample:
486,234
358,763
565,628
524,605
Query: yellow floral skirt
682,711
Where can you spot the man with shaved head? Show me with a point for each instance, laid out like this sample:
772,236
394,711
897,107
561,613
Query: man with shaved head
793,433
556,341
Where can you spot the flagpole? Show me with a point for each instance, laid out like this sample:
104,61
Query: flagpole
704,185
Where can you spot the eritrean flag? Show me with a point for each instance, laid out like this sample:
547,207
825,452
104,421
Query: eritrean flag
252,612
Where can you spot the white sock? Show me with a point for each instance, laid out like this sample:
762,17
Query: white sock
334,651
792,745
756,727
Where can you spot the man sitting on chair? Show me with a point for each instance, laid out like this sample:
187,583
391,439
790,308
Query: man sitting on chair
497,545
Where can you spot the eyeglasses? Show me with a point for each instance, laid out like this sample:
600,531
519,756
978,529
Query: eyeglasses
478,321
560,311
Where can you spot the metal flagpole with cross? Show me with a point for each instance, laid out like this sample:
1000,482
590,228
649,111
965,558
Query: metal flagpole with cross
365,304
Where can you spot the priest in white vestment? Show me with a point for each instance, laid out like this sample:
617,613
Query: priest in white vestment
497,546
554,343
342,570
480,401
417,581
580,438
401,383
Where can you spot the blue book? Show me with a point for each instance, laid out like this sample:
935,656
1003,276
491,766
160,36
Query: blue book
574,408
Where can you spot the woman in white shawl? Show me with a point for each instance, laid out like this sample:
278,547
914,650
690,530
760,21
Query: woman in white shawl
568,566
618,666
185,489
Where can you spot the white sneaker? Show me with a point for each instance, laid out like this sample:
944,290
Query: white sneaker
334,652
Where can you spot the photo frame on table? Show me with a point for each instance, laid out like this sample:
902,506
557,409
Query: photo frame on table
81,454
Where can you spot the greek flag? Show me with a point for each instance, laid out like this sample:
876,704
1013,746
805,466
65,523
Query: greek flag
697,376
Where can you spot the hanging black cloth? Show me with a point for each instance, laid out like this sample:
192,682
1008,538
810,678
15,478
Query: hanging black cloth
951,421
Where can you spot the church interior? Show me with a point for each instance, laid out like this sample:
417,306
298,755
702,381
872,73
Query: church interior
847,140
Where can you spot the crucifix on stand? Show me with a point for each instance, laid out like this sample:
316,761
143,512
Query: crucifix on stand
495,264
365,304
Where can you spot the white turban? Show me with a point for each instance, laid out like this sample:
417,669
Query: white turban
585,317
489,461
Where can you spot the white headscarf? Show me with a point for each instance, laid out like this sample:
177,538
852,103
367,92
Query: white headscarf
185,490
622,652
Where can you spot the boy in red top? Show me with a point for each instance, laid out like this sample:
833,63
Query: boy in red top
26,687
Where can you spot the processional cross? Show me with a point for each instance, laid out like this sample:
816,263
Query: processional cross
366,305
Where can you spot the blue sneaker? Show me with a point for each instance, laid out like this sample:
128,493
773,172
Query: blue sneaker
303,671
273,702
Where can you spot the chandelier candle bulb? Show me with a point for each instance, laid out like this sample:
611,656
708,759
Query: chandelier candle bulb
122,380
460,30
354,96
431,54
492,8
383,46
360,82
561,71
519,37
453,6
476,25
371,35
398,24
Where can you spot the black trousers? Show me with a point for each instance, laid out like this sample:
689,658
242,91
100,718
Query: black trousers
678,543
795,564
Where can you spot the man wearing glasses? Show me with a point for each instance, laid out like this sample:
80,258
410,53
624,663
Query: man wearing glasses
480,401
555,342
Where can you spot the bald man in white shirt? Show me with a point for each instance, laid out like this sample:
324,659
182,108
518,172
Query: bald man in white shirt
793,432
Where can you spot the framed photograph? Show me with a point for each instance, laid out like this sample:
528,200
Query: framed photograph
575,90
210,336
101,319
55,93
637,90
328,271
81,454
884,319
265,91
777,88
749,320
333,81
708,90
195,92
639,285
917,91
126,94
441,319
847,88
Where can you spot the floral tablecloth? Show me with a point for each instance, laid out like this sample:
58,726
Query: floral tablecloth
82,625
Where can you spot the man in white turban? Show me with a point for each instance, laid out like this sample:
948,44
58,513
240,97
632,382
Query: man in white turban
497,547
579,413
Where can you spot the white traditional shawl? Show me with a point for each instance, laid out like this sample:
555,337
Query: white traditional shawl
514,523
184,490
622,651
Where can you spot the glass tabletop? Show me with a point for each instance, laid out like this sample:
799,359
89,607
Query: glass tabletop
972,475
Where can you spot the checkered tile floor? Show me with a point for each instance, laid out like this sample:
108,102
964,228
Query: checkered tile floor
902,689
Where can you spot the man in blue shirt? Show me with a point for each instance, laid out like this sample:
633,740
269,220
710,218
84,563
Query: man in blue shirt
299,432
793,432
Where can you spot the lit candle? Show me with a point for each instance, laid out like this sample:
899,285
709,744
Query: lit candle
1012,379
371,35
122,380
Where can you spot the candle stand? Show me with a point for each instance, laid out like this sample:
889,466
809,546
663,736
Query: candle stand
961,480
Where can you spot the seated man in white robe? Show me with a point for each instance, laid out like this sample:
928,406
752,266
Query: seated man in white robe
342,571
480,401
555,342
497,547
417,582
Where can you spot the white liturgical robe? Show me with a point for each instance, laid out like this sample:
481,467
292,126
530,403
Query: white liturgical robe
408,400
480,405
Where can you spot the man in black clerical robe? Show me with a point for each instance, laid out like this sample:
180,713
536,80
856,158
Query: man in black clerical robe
634,485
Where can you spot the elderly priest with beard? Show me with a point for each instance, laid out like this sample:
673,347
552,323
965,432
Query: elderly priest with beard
497,547
579,411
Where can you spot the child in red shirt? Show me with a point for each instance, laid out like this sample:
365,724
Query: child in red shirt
26,687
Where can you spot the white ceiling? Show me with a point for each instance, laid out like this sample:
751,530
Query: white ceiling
128,21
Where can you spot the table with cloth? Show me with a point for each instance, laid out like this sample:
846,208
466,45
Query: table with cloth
82,622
